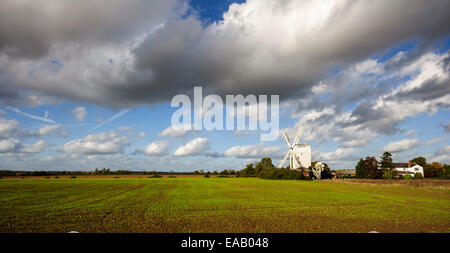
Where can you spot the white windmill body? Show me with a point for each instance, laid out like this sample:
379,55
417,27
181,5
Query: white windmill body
299,154
303,152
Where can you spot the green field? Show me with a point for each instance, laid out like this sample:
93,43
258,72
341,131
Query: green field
218,205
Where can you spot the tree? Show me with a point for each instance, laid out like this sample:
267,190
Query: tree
418,175
249,171
360,170
446,173
264,164
371,166
389,174
386,161
422,161
434,169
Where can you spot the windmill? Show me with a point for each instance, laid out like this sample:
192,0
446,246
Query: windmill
317,169
299,154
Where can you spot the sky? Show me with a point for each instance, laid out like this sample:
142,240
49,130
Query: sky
88,84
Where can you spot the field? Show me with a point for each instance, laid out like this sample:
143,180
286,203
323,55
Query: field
221,205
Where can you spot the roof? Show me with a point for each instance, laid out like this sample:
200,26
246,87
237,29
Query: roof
400,165
303,145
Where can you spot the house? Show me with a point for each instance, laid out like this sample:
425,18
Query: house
406,168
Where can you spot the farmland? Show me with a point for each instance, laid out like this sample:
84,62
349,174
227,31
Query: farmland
191,204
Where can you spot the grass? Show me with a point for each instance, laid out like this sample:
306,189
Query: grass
218,205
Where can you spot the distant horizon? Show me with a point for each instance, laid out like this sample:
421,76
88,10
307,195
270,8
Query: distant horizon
84,86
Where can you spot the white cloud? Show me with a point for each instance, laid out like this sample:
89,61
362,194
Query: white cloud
378,111
79,113
8,128
47,130
37,147
399,146
175,132
442,154
102,143
255,151
195,147
437,140
410,133
340,154
157,148
9,145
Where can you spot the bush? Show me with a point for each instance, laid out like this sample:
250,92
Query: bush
172,177
388,174
206,175
56,177
407,176
222,176
418,175
47,177
73,177
282,174
446,173
155,176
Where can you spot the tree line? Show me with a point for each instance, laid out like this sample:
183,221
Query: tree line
370,168
265,169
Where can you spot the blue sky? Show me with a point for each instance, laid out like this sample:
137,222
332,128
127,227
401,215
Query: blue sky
371,91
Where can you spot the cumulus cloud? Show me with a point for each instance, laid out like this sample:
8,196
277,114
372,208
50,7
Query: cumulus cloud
157,148
279,47
378,111
37,147
9,145
340,154
442,154
47,130
8,128
94,144
255,151
436,140
15,147
79,113
197,146
399,146
174,132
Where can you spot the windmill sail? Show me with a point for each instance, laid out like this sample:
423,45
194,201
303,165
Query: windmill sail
299,154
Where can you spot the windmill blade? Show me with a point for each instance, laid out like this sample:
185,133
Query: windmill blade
286,139
296,158
299,134
284,159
